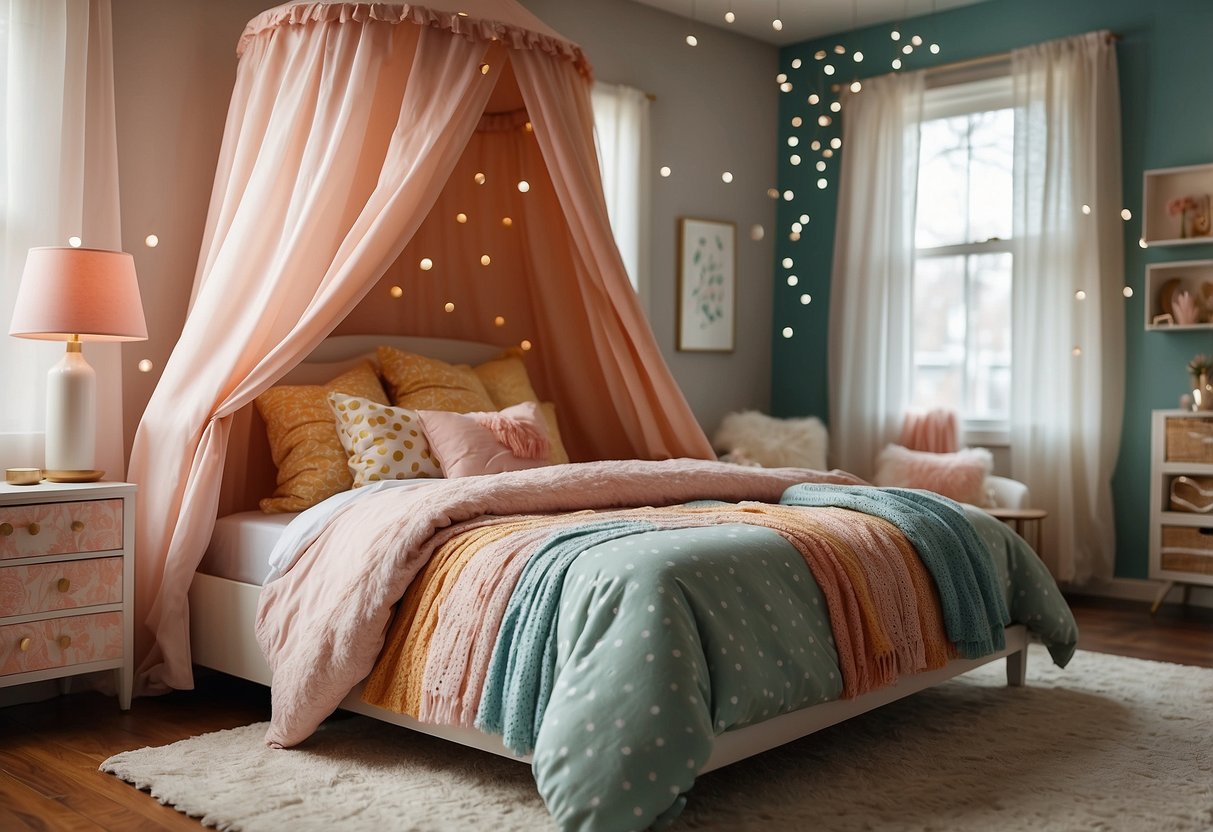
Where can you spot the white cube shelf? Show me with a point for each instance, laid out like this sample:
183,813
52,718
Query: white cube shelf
1166,280
1161,186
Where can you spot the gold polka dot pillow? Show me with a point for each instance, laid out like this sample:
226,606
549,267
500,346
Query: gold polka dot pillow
383,443
306,450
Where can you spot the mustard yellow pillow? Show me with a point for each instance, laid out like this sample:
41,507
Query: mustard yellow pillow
312,464
420,383
507,382
383,443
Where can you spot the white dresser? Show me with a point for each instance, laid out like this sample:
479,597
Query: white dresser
67,582
1181,536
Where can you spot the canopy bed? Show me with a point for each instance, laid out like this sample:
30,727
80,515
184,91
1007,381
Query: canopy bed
623,622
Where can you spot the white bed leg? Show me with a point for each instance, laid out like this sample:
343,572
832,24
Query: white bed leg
1017,668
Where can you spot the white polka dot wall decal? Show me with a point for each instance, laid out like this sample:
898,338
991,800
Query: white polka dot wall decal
499,321
448,306
524,186
781,77
484,69
665,171
151,241
856,86
1126,214
1127,291
480,178
426,264
793,280
692,40
804,218
787,332
794,236
777,25
814,98
797,227
1080,295
907,49
773,193
835,142
822,183
1141,241
396,292
821,166
74,242
828,69
485,260
805,300
824,121
819,54
897,63
145,366
788,196
793,141
461,217
858,56
757,232
525,345
1077,351
729,17
916,40
797,121
895,35
794,159
530,128
934,48
787,262
1086,209
726,177
827,153
507,222
839,49
796,62
786,86
816,145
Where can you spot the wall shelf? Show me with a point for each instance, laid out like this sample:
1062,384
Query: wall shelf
1161,186
1166,280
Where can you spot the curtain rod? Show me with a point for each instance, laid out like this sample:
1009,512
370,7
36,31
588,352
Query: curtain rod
997,57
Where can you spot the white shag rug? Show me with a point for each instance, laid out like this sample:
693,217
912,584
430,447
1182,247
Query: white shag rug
1109,743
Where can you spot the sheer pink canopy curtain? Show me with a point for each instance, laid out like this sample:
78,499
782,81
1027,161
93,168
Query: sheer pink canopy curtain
345,127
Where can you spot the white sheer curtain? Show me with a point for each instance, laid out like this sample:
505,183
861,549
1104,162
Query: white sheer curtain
58,180
1068,353
621,132
871,294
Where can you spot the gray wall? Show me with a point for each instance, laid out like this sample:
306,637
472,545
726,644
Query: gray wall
174,66
717,109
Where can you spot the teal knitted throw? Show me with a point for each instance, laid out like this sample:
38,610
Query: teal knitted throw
974,610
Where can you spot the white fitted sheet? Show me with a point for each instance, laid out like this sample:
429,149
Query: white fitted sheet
241,544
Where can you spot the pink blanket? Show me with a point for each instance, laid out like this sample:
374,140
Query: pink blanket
322,624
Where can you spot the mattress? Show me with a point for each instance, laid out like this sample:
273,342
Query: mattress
241,544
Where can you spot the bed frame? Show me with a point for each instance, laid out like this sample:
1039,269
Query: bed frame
223,611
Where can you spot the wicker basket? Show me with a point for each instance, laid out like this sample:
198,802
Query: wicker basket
1186,549
1189,440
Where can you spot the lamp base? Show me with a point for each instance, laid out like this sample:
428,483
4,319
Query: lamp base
74,476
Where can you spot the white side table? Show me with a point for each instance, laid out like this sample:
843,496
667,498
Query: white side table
67,582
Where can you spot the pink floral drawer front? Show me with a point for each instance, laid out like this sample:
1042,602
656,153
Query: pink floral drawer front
60,528
60,642
41,587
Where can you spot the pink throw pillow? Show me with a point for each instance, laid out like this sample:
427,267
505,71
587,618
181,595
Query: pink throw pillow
960,475
470,444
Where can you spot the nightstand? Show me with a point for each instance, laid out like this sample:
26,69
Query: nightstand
67,582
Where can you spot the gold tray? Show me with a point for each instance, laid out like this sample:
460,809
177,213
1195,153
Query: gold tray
74,476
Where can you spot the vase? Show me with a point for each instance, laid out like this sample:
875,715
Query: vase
1202,392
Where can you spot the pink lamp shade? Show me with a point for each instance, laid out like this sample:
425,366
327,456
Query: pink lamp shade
78,291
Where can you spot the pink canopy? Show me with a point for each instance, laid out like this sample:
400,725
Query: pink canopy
363,137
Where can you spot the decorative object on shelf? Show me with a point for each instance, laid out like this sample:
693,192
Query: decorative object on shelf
1192,494
1166,294
75,295
1163,320
1202,391
707,257
1185,309
23,476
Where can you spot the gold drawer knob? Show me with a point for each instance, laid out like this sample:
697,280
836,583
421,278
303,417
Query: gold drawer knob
63,585
23,644
34,528
77,525
6,529
65,642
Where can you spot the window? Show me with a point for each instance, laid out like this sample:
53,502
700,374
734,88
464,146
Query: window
962,265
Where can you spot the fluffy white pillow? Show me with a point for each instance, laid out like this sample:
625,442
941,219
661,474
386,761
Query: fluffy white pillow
773,443
960,475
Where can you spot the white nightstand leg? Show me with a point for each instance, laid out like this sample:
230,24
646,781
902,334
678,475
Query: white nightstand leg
1017,668
1162,594
126,682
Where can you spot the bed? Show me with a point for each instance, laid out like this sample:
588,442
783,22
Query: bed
224,617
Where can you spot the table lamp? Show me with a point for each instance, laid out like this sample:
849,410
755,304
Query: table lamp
75,295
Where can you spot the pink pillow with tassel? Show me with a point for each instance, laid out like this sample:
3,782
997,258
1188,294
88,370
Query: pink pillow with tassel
960,475
470,444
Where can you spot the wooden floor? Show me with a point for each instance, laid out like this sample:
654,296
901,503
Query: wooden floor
49,751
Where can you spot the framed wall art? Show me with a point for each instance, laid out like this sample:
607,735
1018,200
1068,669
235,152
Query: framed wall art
707,281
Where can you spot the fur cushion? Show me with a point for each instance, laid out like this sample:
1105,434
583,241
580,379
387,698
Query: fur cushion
960,475
750,437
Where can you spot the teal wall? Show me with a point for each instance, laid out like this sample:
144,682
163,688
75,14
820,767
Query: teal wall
1166,84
